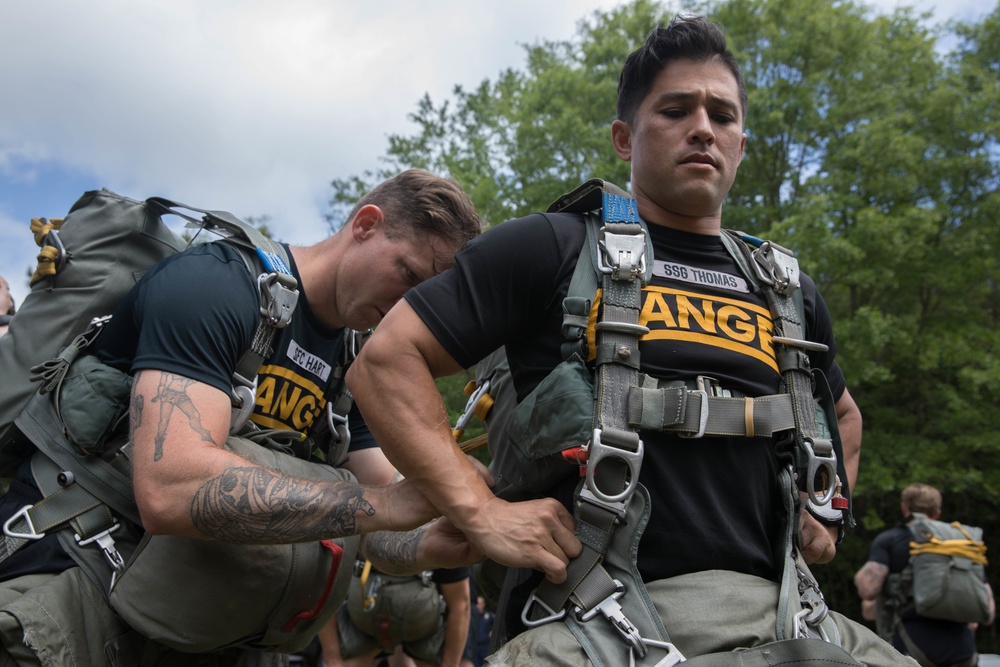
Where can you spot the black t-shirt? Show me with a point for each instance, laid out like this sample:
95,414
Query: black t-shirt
195,314
715,501
450,575
943,642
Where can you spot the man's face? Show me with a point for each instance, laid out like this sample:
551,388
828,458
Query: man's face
686,140
380,270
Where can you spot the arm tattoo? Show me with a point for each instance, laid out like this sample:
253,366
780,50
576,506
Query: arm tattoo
395,553
252,505
172,393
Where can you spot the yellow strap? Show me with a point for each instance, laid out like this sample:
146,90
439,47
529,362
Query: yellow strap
974,551
42,226
483,406
366,603
47,258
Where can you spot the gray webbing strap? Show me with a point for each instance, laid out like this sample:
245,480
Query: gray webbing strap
71,504
696,413
620,253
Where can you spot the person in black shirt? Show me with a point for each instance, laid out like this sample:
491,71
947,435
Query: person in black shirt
944,643
712,546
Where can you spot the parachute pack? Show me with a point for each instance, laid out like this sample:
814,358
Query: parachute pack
68,413
945,576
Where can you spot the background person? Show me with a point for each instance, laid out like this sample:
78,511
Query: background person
943,643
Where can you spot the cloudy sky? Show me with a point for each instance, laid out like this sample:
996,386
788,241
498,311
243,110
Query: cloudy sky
251,106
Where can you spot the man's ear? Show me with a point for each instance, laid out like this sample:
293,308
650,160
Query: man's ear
366,222
621,139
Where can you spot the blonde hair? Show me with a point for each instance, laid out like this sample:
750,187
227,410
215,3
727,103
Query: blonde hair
922,498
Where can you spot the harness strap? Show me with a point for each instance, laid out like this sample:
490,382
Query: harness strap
618,254
695,413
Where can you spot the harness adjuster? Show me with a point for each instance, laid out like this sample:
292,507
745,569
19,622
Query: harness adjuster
243,397
702,395
597,451
611,610
776,266
8,526
825,460
622,255
278,296
550,613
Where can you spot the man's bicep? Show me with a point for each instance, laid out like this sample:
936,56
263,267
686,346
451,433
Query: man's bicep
171,414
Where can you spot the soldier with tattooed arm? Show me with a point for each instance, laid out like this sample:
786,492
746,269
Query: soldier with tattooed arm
180,333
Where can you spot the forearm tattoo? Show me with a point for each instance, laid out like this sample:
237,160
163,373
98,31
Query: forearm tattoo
395,553
172,393
252,505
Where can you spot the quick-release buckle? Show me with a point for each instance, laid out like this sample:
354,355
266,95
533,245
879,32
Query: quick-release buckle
107,544
598,451
777,267
8,525
278,296
550,613
622,255
613,612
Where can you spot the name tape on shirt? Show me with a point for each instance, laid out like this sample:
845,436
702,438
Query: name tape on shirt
308,361
698,276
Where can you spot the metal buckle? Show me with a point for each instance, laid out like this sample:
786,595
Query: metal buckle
551,614
799,342
814,462
470,405
702,417
243,398
673,657
611,610
777,267
598,451
277,300
623,255
8,525
339,428
107,543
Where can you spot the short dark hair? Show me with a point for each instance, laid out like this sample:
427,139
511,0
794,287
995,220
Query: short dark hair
686,37
922,498
417,203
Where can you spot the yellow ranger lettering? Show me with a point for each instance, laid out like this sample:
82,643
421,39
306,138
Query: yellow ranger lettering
286,400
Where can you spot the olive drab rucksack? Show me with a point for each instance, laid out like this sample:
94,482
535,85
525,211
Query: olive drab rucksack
601,412
944,578
66,411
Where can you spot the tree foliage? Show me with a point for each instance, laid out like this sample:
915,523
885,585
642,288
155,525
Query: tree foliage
873,151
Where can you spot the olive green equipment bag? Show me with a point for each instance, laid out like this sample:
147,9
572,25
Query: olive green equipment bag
944,579
394,610
188,594
67,412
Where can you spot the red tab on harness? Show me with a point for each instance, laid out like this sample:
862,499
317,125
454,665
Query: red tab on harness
338,552
577,455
